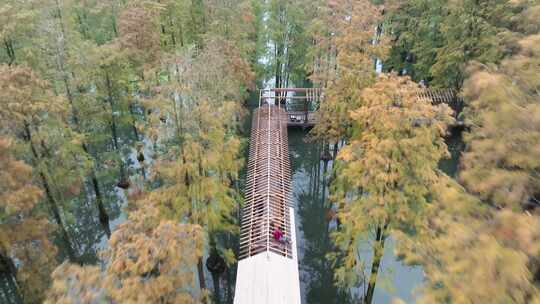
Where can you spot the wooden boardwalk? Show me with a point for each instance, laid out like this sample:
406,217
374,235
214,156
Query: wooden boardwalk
301,104
268,184
267,269
438,96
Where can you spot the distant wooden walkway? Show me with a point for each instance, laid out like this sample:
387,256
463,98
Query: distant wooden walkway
301,104
438,96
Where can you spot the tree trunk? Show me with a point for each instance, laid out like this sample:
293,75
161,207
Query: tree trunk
229,283
133,121
53,204
200,269
8,274
114,128
217,293
8,43
336,147
103,216
378,252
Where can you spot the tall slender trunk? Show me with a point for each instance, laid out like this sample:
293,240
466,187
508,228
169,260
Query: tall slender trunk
133,121
103,216
8,43
217,292
200,270
114,127
334,153
229,283
378,252
53,204
113,20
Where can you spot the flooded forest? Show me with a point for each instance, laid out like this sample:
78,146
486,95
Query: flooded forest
125,137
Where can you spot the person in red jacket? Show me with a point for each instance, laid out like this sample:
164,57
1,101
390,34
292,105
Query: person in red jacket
278,234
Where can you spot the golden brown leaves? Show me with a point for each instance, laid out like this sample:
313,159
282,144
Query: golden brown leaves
148,261
389,166
25,231
24,97
503,161
139,32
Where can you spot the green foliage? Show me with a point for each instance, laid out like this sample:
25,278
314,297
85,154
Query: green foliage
286,30
434,40
386,171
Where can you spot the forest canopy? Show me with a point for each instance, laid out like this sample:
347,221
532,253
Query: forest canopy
123,144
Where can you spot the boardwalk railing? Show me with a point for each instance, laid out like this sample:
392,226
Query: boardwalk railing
438,96
268,192
299,103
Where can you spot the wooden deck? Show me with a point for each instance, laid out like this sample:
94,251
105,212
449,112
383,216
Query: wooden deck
438,96
298,119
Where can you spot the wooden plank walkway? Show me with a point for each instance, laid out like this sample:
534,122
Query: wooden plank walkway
268,184
267,269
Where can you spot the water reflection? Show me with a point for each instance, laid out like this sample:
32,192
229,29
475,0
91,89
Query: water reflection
312,209
310,192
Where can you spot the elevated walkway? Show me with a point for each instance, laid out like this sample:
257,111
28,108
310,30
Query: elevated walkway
268,269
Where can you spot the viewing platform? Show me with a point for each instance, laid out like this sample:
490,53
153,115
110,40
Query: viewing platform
300,104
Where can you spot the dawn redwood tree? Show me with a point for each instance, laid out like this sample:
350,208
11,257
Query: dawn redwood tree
345,43
25,228
461,240
36,116
148,261
502,163
385,173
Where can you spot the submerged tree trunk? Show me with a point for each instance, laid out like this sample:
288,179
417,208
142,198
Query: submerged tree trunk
378,251
229,289
217,293
200,270
103,216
